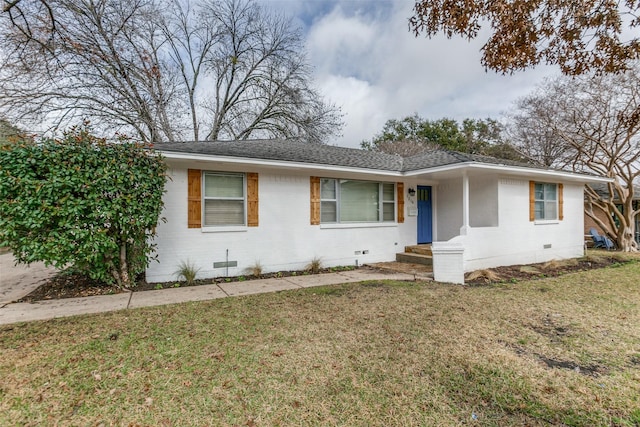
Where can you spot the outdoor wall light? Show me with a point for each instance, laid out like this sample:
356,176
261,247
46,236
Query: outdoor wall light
412,192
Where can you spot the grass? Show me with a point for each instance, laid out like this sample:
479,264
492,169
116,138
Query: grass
377,353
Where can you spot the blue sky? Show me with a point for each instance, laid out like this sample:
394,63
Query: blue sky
367,62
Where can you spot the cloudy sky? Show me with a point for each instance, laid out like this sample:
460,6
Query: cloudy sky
368,63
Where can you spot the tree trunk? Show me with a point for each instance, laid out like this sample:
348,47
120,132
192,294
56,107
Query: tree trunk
124,267
626,240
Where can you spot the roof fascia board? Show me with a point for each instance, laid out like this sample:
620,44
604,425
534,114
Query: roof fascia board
277,163
511,169
428,171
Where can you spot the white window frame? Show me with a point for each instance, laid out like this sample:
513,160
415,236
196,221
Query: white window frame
381,202
243,198
544,201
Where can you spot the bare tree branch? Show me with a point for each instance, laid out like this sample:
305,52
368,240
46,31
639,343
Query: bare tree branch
163,69
590,124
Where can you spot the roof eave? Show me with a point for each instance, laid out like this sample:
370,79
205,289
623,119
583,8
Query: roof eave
504,169
507,169
276,163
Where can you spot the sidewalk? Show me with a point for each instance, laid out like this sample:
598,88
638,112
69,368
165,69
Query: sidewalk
17,281
11,312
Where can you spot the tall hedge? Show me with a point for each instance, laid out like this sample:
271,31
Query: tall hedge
81,202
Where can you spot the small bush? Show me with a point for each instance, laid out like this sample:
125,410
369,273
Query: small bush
187,271
255,269
315,265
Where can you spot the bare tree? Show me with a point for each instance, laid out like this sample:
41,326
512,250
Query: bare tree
528,126
596,126
403,147
34,19
104,64
166,70
261,77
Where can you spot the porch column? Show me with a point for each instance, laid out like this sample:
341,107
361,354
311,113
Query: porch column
465,204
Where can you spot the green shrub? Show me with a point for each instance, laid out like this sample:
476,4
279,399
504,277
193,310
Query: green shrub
81,202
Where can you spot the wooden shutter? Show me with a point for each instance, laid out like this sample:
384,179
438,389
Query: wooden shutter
560,202
532,201
194,202
315,200
400,191
252,200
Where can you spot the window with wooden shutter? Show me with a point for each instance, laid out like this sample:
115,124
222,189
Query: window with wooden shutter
400,192
252,200
315,200
545,201
194,202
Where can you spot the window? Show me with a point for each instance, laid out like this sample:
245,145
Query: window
344,200
546,201
224,199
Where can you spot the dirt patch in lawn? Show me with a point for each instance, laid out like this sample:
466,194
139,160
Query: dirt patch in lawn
517,273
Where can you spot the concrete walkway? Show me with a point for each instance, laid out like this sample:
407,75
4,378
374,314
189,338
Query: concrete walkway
17,281
12,312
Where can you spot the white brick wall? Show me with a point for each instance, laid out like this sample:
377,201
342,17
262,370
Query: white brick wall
516,240
284,239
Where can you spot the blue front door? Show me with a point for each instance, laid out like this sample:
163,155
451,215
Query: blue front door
424,215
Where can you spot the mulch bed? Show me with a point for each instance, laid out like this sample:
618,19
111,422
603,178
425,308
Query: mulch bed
73,285
518,273
69,285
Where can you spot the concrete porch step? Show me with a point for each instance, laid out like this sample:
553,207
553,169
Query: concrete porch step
414,258
419,249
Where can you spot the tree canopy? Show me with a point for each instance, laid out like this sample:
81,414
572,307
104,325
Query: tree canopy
162,70
579,36
414,134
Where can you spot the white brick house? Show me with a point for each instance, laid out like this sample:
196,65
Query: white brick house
230,205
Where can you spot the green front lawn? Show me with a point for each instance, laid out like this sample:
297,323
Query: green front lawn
560,351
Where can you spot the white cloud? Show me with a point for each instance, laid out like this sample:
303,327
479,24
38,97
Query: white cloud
368,62
362,104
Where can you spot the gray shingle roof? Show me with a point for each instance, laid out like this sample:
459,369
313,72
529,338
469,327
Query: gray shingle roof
305,152
603,191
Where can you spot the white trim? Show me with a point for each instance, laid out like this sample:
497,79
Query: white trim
332,225
522,171
231,228
276,163
546,222
519,170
